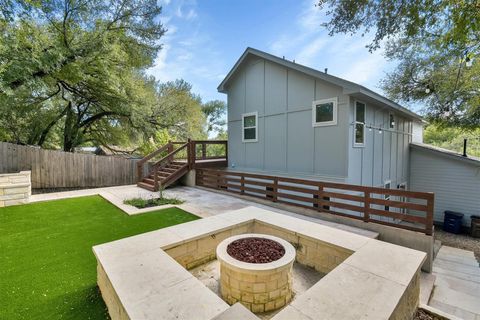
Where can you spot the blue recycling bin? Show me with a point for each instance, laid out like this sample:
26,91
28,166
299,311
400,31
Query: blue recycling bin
452,222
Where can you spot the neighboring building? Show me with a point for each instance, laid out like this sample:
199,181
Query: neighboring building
288,119
453,178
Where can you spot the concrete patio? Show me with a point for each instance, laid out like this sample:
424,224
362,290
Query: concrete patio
198,201
453,287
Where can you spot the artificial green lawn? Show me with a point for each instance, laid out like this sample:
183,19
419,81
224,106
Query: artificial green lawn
47,267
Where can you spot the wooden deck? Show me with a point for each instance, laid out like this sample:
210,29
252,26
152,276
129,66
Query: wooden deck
178,158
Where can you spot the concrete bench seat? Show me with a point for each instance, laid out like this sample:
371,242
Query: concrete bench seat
146,277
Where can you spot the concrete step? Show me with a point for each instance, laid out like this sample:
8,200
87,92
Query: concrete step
458,267
469,287
427,281
456,298
456,252
455,311
472,262
455,274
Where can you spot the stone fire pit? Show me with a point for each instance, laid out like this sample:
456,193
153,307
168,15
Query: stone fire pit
262,281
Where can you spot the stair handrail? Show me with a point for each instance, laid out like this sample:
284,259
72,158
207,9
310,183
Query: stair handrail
168,157
142,161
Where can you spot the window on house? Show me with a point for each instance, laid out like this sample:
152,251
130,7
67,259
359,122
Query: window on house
359,124
392,121
324,112
249,127
387,185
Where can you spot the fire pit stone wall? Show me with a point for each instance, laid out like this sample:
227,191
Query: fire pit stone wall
260,287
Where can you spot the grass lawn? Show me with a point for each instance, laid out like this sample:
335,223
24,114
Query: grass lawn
47,267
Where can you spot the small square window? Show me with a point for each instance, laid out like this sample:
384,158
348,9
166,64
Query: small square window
324,112
249,127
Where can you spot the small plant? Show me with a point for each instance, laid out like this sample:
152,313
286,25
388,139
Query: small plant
147,203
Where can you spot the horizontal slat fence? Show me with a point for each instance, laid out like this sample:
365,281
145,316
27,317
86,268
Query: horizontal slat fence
405,209
58,169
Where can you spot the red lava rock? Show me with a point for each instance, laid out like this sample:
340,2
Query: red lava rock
255,250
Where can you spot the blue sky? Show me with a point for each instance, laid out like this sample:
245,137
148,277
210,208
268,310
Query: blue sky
205,38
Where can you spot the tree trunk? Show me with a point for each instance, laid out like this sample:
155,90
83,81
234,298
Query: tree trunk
70,131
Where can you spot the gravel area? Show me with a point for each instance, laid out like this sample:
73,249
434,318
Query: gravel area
255,250
424,315
461,241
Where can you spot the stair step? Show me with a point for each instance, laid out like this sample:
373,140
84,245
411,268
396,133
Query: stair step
146,186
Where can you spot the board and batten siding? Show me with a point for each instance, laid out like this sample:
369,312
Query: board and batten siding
455,182
287,141
384,156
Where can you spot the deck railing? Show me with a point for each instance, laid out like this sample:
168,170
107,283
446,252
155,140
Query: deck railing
185,151
393,207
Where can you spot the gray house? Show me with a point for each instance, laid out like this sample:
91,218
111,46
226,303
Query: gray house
285,119
288,119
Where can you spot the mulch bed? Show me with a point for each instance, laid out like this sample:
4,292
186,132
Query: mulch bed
423,315
255,250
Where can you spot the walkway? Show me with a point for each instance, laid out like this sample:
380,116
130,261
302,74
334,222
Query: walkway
198,201
457,283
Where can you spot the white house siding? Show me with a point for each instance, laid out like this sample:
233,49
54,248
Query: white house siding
287,141
384,157
455,181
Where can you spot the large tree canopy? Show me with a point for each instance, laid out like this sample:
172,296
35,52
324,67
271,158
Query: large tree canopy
437,45
78,65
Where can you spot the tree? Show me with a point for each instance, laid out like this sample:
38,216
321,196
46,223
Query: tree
452,139
215,112
436,43
77,66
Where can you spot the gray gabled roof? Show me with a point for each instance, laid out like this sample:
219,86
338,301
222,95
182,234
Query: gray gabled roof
348,86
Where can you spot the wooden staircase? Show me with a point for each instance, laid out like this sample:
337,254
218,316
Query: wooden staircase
176,159
166,175
168,169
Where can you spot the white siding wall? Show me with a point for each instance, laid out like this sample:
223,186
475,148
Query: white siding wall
455,182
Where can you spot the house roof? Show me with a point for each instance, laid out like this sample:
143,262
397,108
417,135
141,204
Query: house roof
447,153
349,87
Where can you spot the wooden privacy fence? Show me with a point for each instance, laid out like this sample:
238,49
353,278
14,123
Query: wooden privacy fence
394,207
58,169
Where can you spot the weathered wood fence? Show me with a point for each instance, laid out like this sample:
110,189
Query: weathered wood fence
58,169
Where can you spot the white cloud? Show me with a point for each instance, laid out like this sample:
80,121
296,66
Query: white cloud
311,50
306,41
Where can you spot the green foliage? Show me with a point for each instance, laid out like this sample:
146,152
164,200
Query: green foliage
215,111
146,203
77,67
452,138
433,41
47,266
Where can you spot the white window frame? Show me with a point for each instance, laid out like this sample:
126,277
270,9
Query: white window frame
335,112
355,122
390,114
256,126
